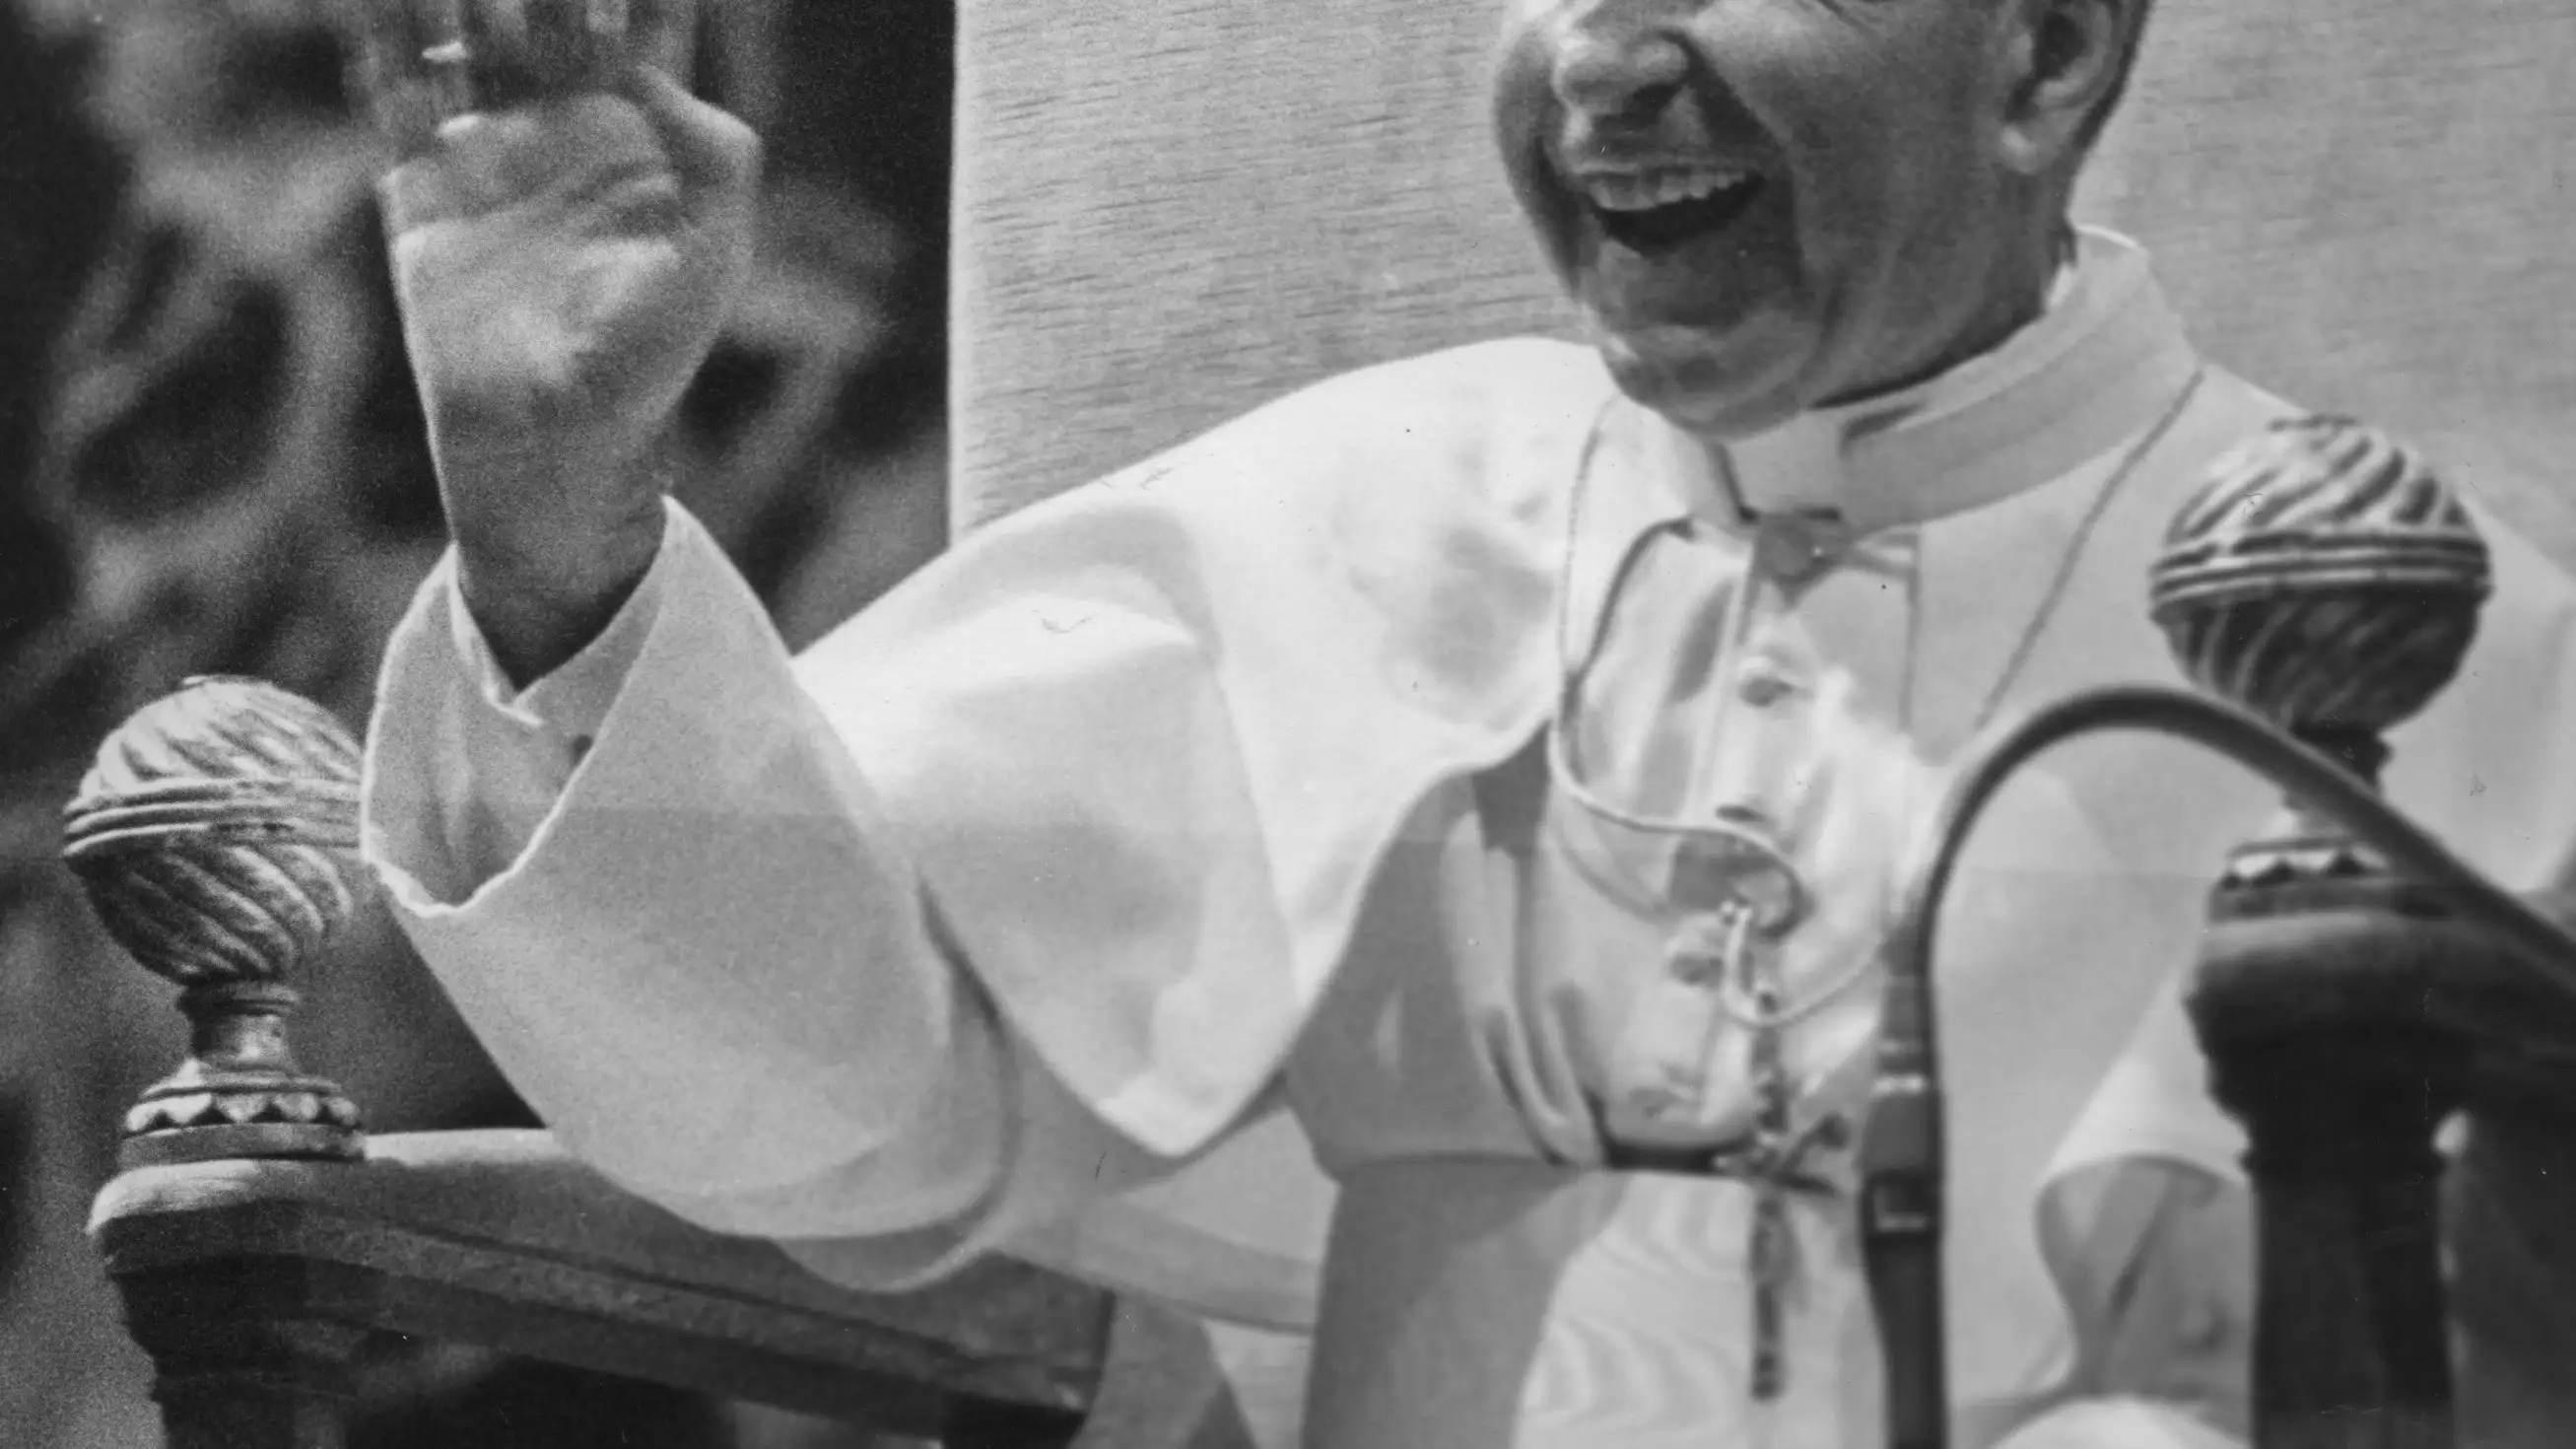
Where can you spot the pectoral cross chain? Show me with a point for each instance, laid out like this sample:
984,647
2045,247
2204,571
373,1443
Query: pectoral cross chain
1774,1162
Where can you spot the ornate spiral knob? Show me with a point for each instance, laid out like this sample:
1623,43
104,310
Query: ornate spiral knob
2326,579
216,835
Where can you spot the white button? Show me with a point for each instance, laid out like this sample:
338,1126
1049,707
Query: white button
1762,683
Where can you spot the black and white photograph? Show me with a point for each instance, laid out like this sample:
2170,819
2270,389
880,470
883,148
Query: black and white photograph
1287,724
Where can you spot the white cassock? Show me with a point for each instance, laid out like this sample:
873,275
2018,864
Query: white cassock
1246,789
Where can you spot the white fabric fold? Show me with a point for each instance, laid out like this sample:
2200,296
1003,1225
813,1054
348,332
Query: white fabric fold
558,937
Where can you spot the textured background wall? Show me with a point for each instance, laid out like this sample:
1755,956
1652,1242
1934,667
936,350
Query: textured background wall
2366,207
1168,211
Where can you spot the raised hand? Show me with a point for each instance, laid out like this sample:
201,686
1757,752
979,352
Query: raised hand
568,227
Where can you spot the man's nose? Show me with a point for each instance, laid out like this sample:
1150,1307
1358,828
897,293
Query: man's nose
1617,60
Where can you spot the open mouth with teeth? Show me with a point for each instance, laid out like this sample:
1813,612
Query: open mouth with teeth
1660,214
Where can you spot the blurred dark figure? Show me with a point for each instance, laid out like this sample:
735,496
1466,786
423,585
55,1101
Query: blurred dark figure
211,460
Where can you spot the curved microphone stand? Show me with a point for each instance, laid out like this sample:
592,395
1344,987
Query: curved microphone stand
2326,585
1901,1147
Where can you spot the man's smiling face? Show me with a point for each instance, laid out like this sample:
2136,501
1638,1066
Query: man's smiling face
1767,205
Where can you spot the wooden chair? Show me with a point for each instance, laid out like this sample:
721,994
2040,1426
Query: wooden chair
253,1281
259,1238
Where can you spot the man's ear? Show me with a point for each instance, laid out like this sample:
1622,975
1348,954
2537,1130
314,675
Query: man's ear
2066,63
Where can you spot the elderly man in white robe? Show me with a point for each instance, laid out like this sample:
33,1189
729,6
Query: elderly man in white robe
1493,761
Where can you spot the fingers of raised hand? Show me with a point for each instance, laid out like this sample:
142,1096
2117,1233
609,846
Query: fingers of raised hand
390,53
712,151
423,63
663,34
483,160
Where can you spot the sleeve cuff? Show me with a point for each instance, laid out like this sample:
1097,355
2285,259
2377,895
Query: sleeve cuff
477,765
570,703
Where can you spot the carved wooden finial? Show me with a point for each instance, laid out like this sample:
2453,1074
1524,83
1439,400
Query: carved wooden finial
217,835
2326,579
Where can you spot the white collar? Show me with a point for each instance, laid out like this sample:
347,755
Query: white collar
2098,367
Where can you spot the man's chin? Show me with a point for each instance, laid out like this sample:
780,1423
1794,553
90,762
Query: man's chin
1706,387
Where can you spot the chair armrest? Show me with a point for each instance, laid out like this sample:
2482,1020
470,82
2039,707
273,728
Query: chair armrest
499,1239
259,1238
